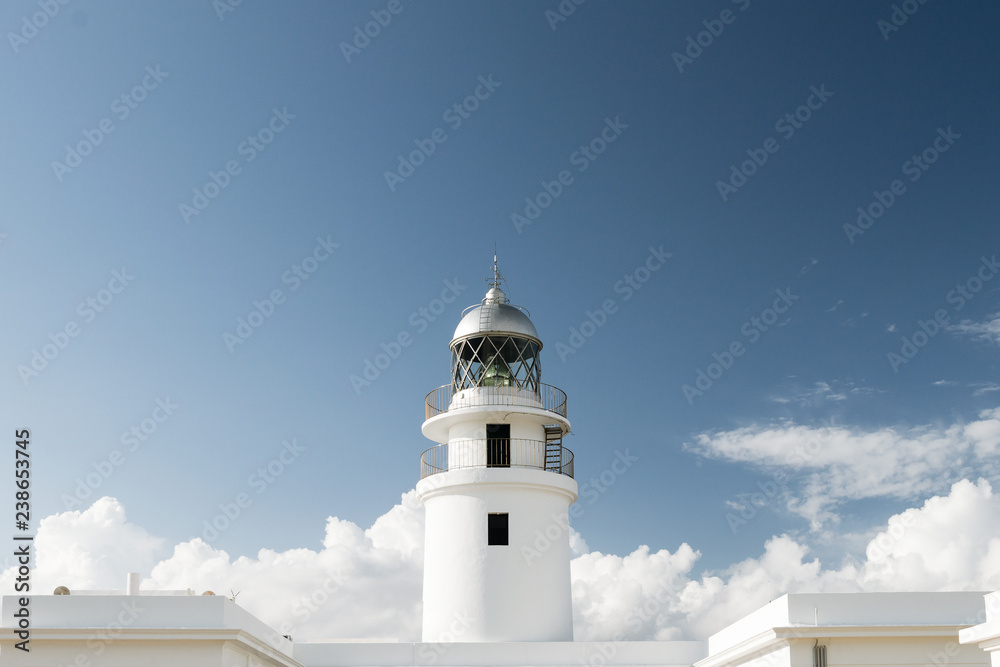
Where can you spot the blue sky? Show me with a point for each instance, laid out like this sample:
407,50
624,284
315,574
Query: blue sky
833,105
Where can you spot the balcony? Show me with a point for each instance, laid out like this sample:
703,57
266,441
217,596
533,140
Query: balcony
545,397
497,453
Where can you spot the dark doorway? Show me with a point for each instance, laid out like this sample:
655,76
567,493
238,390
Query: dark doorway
498,445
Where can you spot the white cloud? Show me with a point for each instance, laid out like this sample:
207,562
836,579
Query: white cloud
362,583
637,595
949,543
828,466
373,578
577,545
653,595
979,388
823,391
988,330
374,575
985,433
90,549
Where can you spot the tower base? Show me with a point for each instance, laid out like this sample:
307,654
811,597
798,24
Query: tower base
475,591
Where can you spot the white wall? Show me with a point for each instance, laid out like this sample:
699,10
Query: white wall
132,630
514,654
986,634
858,630
805,610
474,592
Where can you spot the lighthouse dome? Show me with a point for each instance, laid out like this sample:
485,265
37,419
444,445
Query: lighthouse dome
496,315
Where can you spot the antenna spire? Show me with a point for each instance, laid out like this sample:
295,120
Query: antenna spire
495,293
497,276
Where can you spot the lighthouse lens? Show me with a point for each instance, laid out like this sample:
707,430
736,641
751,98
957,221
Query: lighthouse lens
495,361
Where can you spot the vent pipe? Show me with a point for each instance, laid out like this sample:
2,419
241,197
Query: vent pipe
819,655
132,585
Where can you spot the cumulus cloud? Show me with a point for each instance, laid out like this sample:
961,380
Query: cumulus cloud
948,543
362,583
829,465
367,583
88,549
653,596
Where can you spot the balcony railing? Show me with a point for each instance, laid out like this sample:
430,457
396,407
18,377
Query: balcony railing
446,398
496,453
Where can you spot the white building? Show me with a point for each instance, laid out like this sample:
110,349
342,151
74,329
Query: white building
500,475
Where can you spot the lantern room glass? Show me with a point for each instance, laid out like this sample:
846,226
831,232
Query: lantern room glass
495,360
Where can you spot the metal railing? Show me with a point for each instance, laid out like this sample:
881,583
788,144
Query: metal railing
445,398
496,453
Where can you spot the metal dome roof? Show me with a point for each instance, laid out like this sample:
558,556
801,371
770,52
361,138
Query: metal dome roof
494,317
495,314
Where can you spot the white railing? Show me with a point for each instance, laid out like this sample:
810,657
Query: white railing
496,453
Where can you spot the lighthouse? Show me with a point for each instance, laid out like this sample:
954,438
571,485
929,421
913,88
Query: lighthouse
498,487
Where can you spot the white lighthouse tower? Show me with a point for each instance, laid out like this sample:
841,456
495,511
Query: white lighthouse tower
497,491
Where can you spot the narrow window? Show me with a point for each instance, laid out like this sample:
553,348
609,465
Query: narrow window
498,445
497,529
